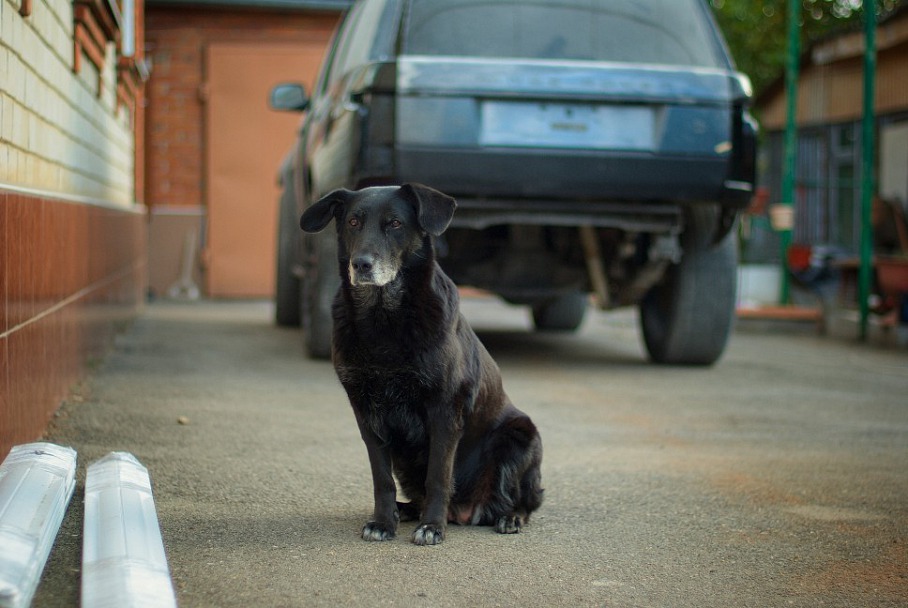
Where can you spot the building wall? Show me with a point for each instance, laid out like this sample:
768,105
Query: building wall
60,131
834,92
72,240
831,84
828,173
178,41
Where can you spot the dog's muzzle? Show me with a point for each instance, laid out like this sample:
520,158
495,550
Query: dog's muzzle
366,269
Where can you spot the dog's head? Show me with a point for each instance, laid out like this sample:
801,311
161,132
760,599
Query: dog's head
381,229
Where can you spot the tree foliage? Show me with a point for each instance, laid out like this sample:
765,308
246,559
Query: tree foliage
757,31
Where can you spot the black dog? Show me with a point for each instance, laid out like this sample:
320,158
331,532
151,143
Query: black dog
426,394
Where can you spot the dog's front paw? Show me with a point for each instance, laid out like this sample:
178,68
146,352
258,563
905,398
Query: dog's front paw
428,534
509,524
377,531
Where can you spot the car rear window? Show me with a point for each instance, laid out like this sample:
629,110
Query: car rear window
672,32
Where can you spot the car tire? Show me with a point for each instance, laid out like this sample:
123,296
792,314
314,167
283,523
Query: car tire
287,284
318,287
564,313
687,318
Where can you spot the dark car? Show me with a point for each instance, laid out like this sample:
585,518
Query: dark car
593,146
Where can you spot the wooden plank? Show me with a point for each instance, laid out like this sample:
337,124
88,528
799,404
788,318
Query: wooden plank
781,313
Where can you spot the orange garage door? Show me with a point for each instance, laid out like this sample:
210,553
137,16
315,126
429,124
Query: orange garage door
245,143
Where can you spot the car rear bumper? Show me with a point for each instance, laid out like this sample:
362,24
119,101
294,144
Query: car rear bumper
565,177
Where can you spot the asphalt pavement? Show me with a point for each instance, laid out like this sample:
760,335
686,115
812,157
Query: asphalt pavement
779,477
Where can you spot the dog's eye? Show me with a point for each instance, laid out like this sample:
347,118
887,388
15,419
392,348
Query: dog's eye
395,223
354,222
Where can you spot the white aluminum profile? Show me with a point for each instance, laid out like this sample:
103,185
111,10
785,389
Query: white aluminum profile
36,484
123,559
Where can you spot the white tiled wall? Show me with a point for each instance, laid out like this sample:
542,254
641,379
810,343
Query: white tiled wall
57,133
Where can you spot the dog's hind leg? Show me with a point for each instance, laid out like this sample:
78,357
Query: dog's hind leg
510,488
528,497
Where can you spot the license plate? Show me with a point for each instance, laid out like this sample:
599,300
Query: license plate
554,125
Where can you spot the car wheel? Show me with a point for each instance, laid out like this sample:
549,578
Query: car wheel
318,287
287,284
564,313
687,318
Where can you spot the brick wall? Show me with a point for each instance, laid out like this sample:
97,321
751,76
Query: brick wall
60,131
176,40
71,275
72,239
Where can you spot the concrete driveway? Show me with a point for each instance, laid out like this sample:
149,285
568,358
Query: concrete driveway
777,478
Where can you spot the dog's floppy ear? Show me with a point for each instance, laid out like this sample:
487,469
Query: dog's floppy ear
319,215
435,209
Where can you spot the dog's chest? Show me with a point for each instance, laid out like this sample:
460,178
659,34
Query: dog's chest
392,401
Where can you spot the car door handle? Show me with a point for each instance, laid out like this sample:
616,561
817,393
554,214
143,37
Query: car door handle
351,103
344,108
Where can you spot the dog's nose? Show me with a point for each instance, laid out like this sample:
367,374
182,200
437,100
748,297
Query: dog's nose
363,263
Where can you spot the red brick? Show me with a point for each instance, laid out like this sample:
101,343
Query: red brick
175,40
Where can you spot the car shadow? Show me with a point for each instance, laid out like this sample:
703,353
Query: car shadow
514,346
